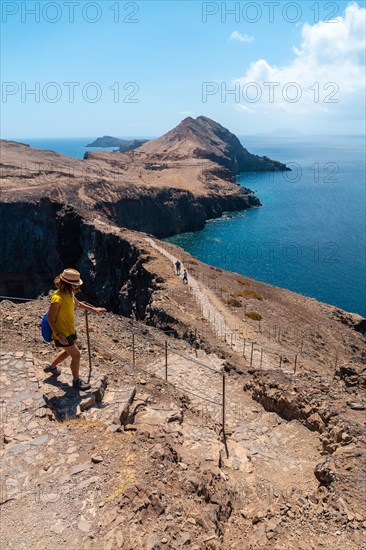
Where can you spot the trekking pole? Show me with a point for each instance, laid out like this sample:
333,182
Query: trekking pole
88,342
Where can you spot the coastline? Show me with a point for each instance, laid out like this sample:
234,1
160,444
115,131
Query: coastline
163,211
312,257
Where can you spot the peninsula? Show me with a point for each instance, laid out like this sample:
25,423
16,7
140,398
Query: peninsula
166,186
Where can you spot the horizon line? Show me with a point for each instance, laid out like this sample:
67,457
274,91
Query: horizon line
155,137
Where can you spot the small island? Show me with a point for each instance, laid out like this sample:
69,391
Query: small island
123,145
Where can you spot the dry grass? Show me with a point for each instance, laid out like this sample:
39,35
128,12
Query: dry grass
248,293
253,315
233,302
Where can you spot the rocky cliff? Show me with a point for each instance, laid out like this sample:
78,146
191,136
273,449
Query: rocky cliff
48,236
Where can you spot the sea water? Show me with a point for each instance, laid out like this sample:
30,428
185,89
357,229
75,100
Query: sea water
71,147
309,235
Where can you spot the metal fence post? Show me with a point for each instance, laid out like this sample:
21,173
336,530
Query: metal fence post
224,412
251,354
88,343
223,401
133,350
166,360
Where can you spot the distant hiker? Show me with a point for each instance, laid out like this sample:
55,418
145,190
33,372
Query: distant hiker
177,267
185,277
62,323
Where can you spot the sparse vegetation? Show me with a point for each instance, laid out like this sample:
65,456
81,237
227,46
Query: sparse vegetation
253,315
242,282
233,302
250,293
239,293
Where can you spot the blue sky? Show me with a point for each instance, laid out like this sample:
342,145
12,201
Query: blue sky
172,59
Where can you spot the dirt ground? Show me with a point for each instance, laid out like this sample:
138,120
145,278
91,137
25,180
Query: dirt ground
148,465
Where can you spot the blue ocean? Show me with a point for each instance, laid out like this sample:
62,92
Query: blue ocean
310,234
71,147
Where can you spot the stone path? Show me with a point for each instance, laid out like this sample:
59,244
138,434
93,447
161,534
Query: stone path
49,479
259,443
54,476
23,409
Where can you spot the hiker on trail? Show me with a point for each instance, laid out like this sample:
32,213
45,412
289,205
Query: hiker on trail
177,267
62,323
185,277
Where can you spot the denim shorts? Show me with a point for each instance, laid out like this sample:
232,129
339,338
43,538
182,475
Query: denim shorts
70,339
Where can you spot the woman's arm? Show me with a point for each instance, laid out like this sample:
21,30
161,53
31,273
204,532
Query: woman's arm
86,307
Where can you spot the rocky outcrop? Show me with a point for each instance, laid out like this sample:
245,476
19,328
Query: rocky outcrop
132,144
123,144
321,406
352,375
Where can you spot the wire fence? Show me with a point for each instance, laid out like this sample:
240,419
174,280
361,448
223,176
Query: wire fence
130,354
297,347
281,333
29,330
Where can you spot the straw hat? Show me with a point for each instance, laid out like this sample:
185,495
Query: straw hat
71,276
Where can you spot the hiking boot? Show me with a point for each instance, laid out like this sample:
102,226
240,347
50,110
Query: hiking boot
54,371
80,385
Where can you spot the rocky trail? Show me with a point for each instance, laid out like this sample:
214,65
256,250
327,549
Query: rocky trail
141,462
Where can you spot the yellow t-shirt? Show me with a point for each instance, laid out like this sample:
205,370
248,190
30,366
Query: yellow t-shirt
65,319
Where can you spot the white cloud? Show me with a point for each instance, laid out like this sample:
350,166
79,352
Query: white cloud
244,109
236,35
185,113
328,72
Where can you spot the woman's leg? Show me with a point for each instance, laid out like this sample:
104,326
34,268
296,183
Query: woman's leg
74,352
61,356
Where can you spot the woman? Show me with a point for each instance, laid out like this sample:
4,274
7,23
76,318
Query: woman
62,323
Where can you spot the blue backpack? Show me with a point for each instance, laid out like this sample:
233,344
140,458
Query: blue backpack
46,329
